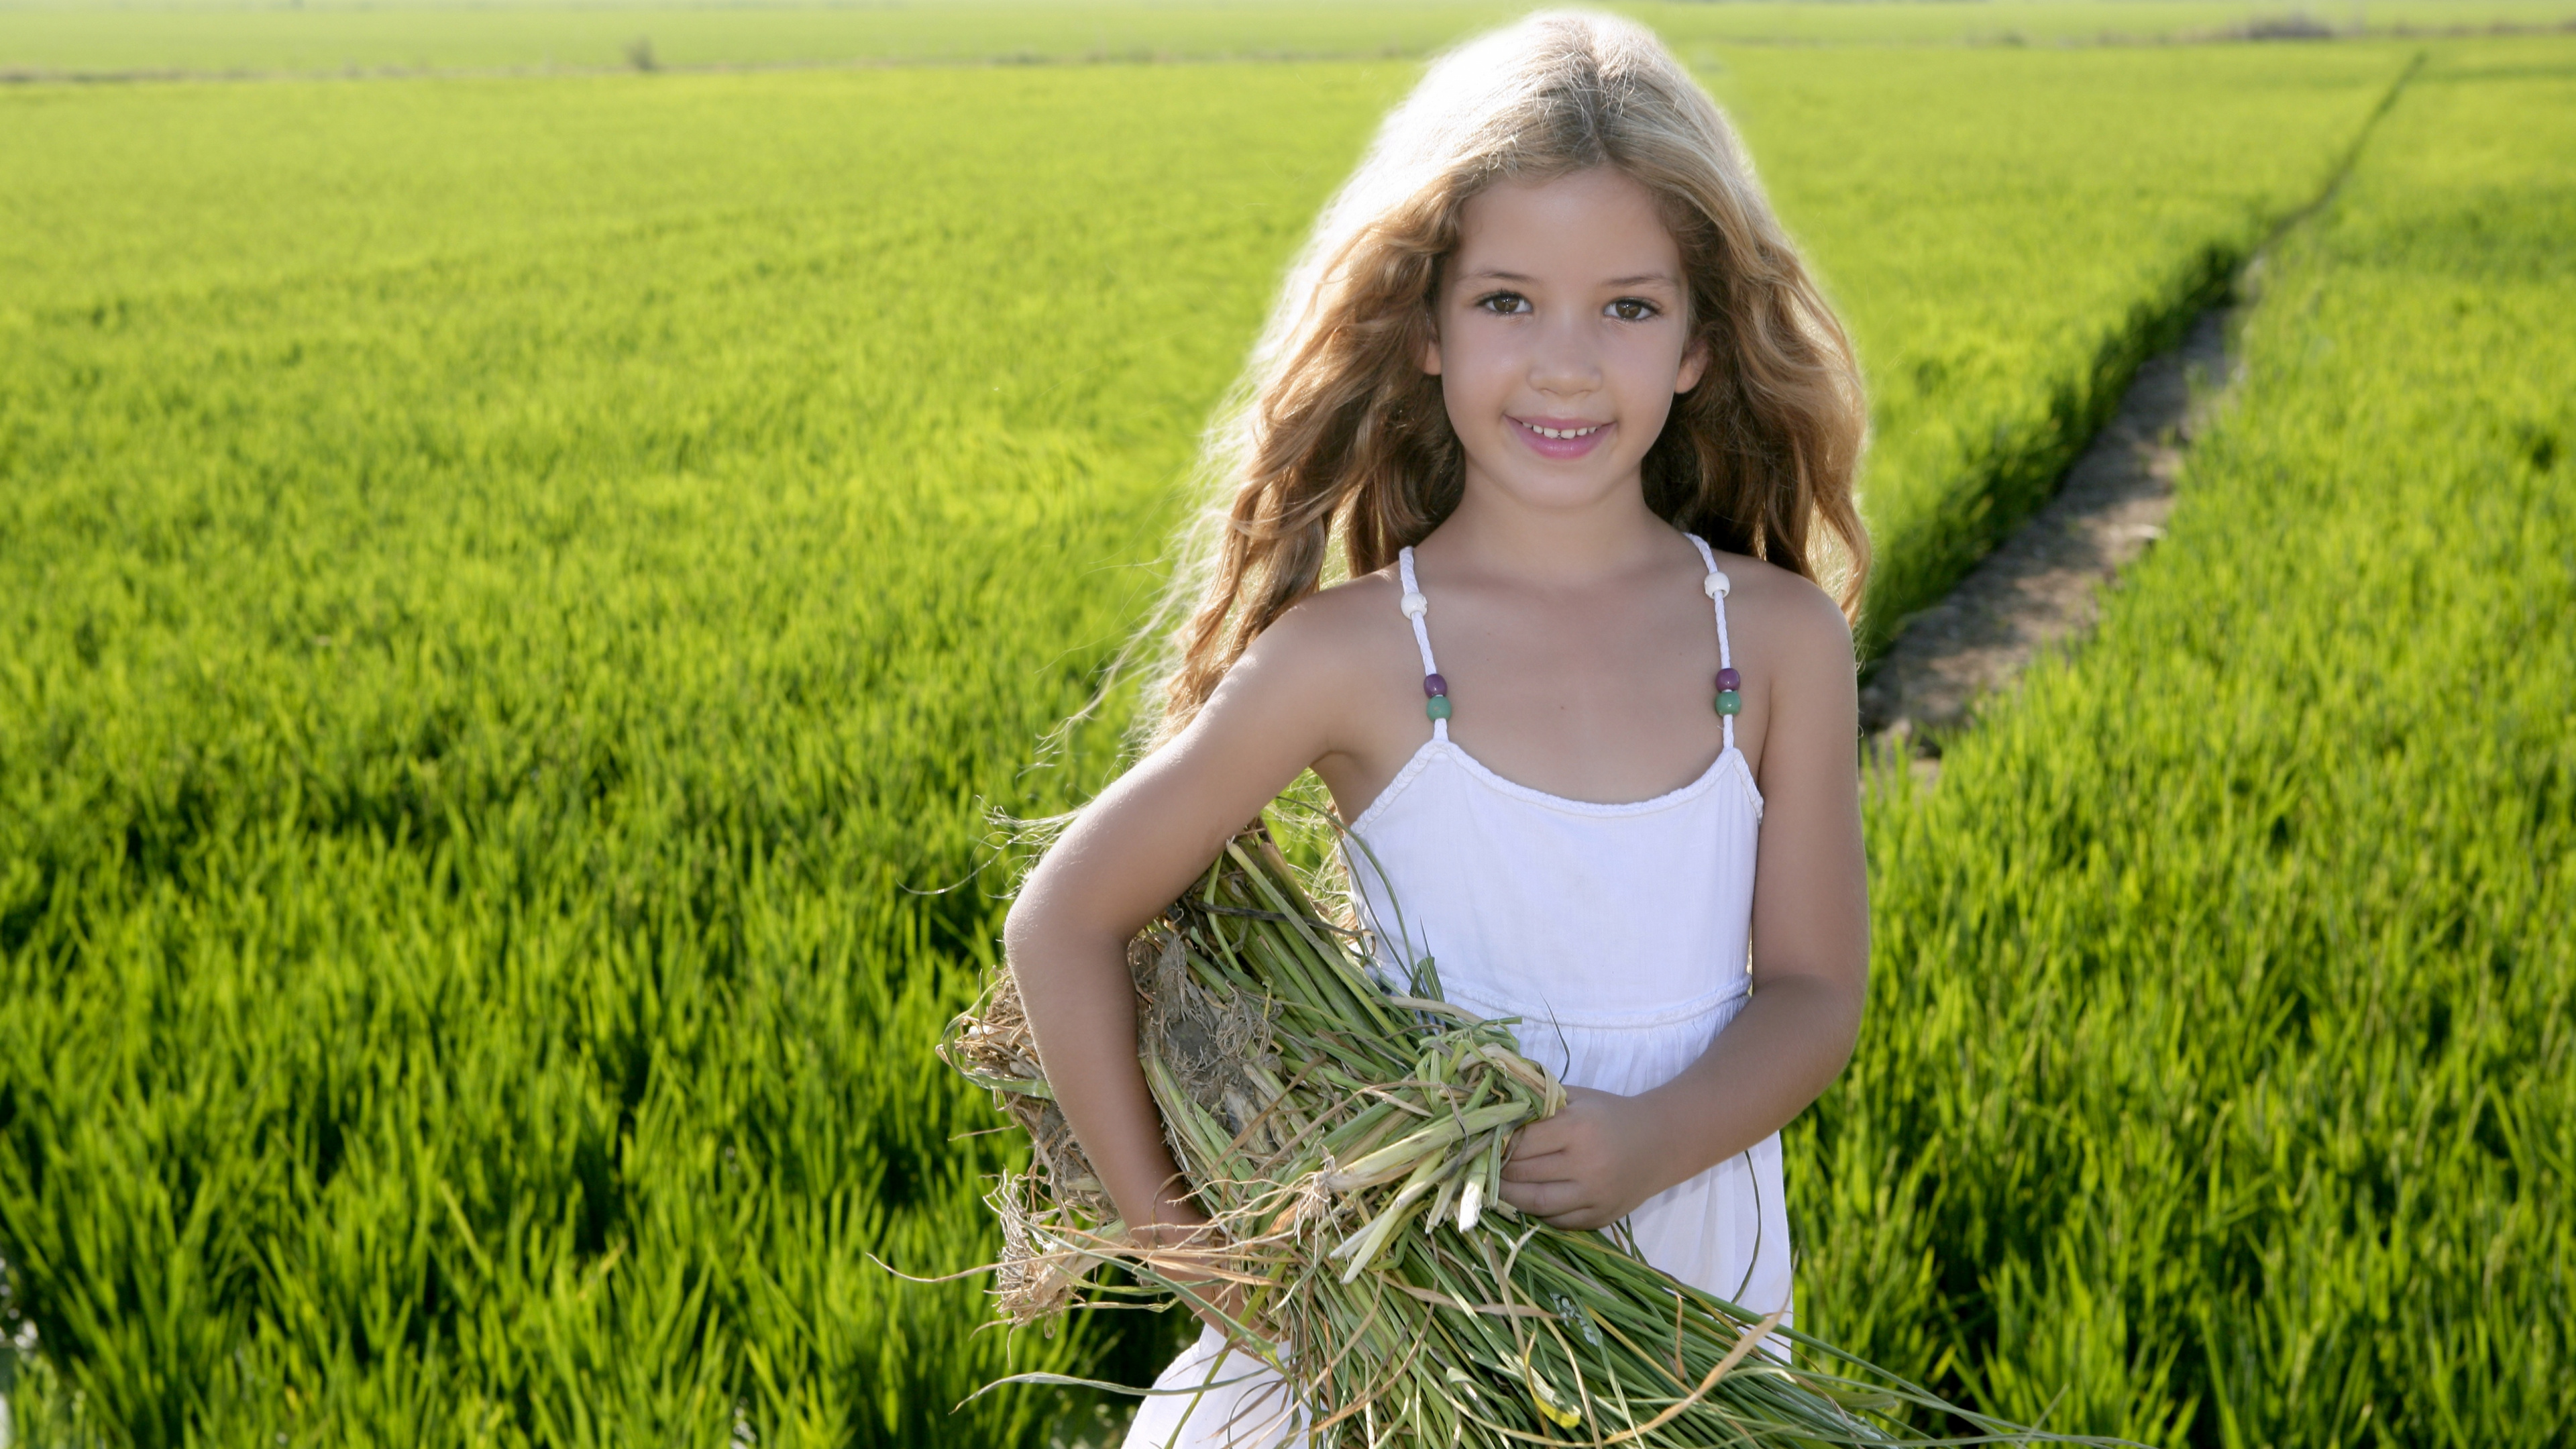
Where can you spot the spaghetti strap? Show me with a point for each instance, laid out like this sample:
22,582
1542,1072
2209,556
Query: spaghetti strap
1434,688
1718,585
1624,929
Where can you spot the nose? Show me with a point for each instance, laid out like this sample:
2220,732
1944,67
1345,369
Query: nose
1565,362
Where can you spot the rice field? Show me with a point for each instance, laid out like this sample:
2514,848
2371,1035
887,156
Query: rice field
522,590
2219,1085
362,37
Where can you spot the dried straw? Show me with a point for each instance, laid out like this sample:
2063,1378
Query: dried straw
1347,1140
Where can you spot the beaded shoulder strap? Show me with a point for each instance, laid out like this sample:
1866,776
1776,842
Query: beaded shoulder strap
1729,701
1435,689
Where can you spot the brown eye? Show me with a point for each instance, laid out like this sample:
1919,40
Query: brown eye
1503,304
1632,309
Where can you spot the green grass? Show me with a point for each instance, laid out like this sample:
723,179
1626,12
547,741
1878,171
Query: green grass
335,36
515,584
495,692
2217,1079
2007,261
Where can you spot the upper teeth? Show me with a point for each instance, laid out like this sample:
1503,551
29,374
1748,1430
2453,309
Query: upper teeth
1563,432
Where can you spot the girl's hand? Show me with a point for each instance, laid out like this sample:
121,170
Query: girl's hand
1590,1164
1217,1300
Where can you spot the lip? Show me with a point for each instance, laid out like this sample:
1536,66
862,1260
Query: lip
1547,447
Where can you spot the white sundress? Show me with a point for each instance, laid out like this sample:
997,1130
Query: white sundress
1619,934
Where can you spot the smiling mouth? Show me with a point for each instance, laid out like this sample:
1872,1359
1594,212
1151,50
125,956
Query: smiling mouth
1545,432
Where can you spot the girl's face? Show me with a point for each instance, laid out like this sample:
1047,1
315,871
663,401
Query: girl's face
1562,336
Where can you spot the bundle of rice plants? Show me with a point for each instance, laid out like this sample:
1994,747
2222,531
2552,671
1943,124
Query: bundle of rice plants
1346,1136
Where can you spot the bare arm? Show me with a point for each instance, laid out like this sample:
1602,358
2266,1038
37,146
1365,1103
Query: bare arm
1595,1161
1131,853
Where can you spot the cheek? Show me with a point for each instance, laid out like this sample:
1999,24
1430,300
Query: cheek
1466,398
1651,369
1474,360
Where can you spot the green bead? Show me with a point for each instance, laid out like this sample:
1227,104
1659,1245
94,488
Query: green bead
1728,701
1437,706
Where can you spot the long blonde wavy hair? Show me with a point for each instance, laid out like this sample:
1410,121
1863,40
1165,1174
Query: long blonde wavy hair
1335,434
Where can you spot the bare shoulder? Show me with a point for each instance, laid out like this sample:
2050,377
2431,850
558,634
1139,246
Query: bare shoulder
1326,646
1802,677
1791,620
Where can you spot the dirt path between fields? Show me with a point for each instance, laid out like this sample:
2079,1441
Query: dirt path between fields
2043,587
2044,583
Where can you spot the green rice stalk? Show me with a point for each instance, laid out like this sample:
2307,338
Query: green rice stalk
1318,1112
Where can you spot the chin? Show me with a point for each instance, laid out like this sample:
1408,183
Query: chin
1560,498
1566,487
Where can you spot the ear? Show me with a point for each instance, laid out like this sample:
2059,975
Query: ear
1431,351
1694,365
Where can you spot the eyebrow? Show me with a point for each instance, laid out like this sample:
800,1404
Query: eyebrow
1502,276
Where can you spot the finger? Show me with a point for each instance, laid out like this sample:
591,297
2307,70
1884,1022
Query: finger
1538,1139
1544,1199
1554,1167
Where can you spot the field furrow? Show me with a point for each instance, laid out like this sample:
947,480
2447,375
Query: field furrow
520,594
2217,1081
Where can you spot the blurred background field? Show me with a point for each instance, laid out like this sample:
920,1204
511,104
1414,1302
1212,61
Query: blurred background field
322,36
522,587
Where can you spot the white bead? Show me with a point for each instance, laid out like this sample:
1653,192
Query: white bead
1716,584
1415,605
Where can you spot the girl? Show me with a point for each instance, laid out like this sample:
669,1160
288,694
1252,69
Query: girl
1551,379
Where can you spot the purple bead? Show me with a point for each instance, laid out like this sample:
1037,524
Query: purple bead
1729,679
1434,686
